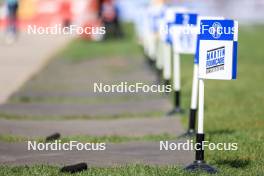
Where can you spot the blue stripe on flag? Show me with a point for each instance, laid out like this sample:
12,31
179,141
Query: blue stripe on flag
234,69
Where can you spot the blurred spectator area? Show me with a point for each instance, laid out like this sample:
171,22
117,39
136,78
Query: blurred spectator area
246,11
50,12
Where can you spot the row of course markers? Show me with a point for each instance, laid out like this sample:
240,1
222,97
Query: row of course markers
170,31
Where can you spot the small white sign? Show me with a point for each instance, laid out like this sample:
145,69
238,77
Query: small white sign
168,20
217,49
184,33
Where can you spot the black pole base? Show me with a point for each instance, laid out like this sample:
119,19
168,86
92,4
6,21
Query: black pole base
191,129
200,166
74,168
190,133
176,103
159,76
53,137
176,110
151,62
166,83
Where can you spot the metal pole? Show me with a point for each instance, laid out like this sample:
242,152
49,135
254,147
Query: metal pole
167,63
199,154
159,60
201,107
176,85
176,71
199,163
159,55
193,109
193,106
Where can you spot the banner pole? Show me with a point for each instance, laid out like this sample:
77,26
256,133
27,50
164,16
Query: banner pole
159,61
201,107
193,107
167,64
199,163
149,49
176,85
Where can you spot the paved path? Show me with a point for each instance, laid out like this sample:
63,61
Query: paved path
64,88
121,127
114,155
93,110
18,62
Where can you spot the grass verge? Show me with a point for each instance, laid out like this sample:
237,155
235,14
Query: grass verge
153,114
234,109
91,139
80,49
128,170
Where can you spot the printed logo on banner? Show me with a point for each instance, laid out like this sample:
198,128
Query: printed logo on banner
215,30
215,60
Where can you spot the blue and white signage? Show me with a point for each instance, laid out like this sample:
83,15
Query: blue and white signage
155,13
217,45
162,29
200,18
167,20
170,17
184,33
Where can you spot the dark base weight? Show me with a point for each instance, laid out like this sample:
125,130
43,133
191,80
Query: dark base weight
188,134
150,62
159,76
191,130
200,166
74,168
177,110
53,137
166,83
